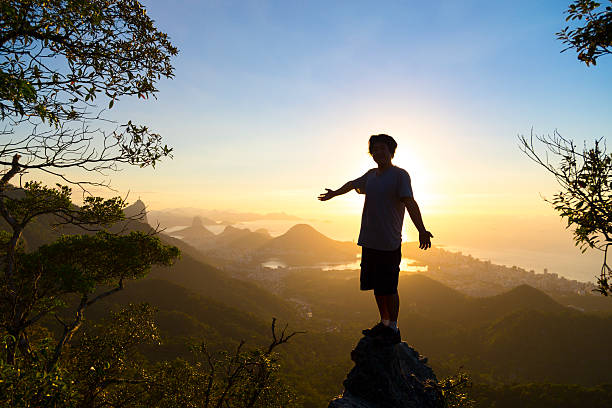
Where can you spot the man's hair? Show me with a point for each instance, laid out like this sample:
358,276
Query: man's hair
382,138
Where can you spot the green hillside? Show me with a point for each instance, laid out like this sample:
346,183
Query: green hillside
207,281
521,336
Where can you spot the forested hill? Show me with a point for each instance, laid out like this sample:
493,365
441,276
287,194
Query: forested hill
302,244
519,336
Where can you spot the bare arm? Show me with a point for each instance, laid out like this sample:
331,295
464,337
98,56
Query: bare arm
415,215
329,194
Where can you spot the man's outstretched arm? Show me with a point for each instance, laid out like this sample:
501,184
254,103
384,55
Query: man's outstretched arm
415,215
329,194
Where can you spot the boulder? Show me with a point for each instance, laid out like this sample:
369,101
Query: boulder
388,376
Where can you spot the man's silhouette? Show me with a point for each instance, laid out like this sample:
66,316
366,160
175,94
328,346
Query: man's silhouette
388,191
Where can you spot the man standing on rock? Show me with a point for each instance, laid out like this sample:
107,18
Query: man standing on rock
388,191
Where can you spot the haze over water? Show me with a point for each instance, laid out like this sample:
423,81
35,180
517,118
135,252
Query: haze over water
536,243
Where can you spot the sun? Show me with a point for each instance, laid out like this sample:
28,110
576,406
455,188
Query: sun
420,174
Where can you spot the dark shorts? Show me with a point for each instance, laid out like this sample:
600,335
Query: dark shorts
380,270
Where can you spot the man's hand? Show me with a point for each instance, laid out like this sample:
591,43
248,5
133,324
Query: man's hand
329,194
425,239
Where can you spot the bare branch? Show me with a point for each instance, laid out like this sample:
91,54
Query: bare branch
284,338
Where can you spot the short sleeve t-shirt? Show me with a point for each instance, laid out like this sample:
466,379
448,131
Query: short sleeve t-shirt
383,209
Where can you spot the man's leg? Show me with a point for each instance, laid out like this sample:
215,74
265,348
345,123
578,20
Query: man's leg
388,307
381,302
393,306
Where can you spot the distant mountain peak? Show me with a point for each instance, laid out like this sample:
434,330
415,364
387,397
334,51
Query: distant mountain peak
526,290
196,231
137,210
302,243
262,231
232,230
527,297
302,229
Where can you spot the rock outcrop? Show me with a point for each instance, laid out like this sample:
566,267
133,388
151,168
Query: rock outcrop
136,211
388,376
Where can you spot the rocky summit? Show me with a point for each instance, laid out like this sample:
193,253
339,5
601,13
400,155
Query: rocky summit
388,376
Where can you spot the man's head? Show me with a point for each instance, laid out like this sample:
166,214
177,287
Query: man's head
382,138
378,143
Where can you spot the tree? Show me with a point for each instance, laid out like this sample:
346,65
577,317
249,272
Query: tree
57,58
594,38
103,368
99,368
585,176
58,55
240,379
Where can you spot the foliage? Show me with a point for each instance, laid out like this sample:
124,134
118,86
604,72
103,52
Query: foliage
35,199
104,368
57,58
224,379
58,55
100,368
585,176
105,362
73,265
78,264
28,383
594,38
538,395
455,391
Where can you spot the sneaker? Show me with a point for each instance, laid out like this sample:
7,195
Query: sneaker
389,336
375,330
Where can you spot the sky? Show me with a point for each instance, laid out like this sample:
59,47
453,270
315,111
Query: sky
273,101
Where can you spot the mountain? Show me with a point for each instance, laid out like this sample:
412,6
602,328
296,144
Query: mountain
535,346
207,281
302,244
196,229
540,395
232,243
522,297
520,335
197,234
137,211
191,271
184,314
336,293
242,239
